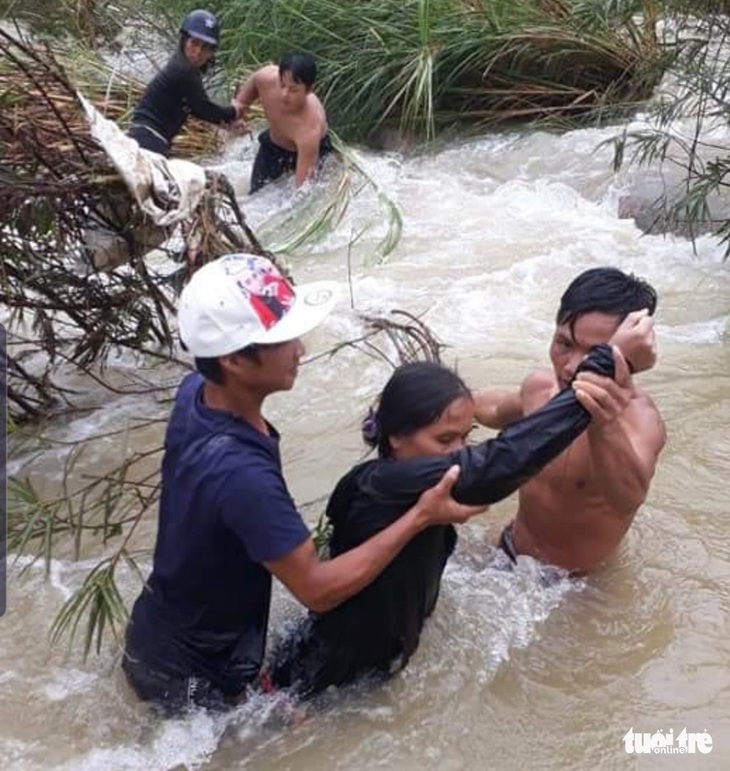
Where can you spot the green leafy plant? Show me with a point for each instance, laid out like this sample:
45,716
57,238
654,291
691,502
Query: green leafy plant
421,66
321,211
677,131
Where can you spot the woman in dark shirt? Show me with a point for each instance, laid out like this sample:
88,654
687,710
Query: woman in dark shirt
177,90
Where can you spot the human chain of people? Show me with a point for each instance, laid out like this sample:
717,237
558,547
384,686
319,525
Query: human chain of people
577,442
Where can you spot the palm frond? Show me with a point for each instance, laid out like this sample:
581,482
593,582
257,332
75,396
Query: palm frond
99,600
320,212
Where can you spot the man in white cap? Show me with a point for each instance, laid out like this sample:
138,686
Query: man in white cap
227,522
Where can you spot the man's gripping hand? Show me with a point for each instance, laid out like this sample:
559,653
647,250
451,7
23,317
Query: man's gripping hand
437,507
604,398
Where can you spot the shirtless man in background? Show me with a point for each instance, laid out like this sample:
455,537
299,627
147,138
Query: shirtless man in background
297,135
575,513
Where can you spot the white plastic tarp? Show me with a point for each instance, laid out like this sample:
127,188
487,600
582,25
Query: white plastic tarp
167,189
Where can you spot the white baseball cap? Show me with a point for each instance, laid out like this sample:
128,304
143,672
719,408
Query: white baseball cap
242,299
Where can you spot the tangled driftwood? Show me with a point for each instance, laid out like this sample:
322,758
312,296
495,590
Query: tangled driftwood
67,222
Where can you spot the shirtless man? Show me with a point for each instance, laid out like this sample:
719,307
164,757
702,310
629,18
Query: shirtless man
576,511
297,135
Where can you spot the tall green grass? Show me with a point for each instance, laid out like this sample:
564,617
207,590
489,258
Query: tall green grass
420,65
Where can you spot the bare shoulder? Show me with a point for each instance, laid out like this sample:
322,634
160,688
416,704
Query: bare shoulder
316,119
538,381
536,390
267,76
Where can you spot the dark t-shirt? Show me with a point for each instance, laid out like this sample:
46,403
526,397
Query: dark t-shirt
174,93
224,510
378,630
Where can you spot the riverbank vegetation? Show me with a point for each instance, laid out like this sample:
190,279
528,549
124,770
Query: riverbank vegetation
63,208
679,129
422,66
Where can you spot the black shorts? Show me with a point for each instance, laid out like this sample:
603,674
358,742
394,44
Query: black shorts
272,161
507,544
549,574
173,695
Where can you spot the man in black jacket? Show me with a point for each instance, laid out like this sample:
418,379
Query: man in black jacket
177,90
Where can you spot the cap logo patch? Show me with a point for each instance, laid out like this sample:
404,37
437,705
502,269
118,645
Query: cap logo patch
267,291
318,297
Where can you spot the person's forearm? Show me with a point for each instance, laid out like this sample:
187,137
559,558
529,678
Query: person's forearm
339,579
199,104
306,163
246,95
498,467
302,175
494,469
618,472
204,109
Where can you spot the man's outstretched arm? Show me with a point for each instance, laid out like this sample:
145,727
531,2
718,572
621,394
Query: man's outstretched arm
246,95
307,157
322,585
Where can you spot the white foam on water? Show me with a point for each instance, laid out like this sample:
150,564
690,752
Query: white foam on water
499,607
65,683
188,742
191,740
65,576
710,332
56,569
14,753
494,229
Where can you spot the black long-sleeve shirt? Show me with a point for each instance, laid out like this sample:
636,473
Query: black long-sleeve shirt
378,629
174,93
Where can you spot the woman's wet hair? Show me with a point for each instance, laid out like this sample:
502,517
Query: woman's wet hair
605,290
301,66
415,397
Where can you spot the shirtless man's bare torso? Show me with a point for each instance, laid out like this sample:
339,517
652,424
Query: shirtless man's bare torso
297,134
576,511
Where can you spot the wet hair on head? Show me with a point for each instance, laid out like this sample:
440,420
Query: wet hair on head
605,290
210,368
301,66
415,397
